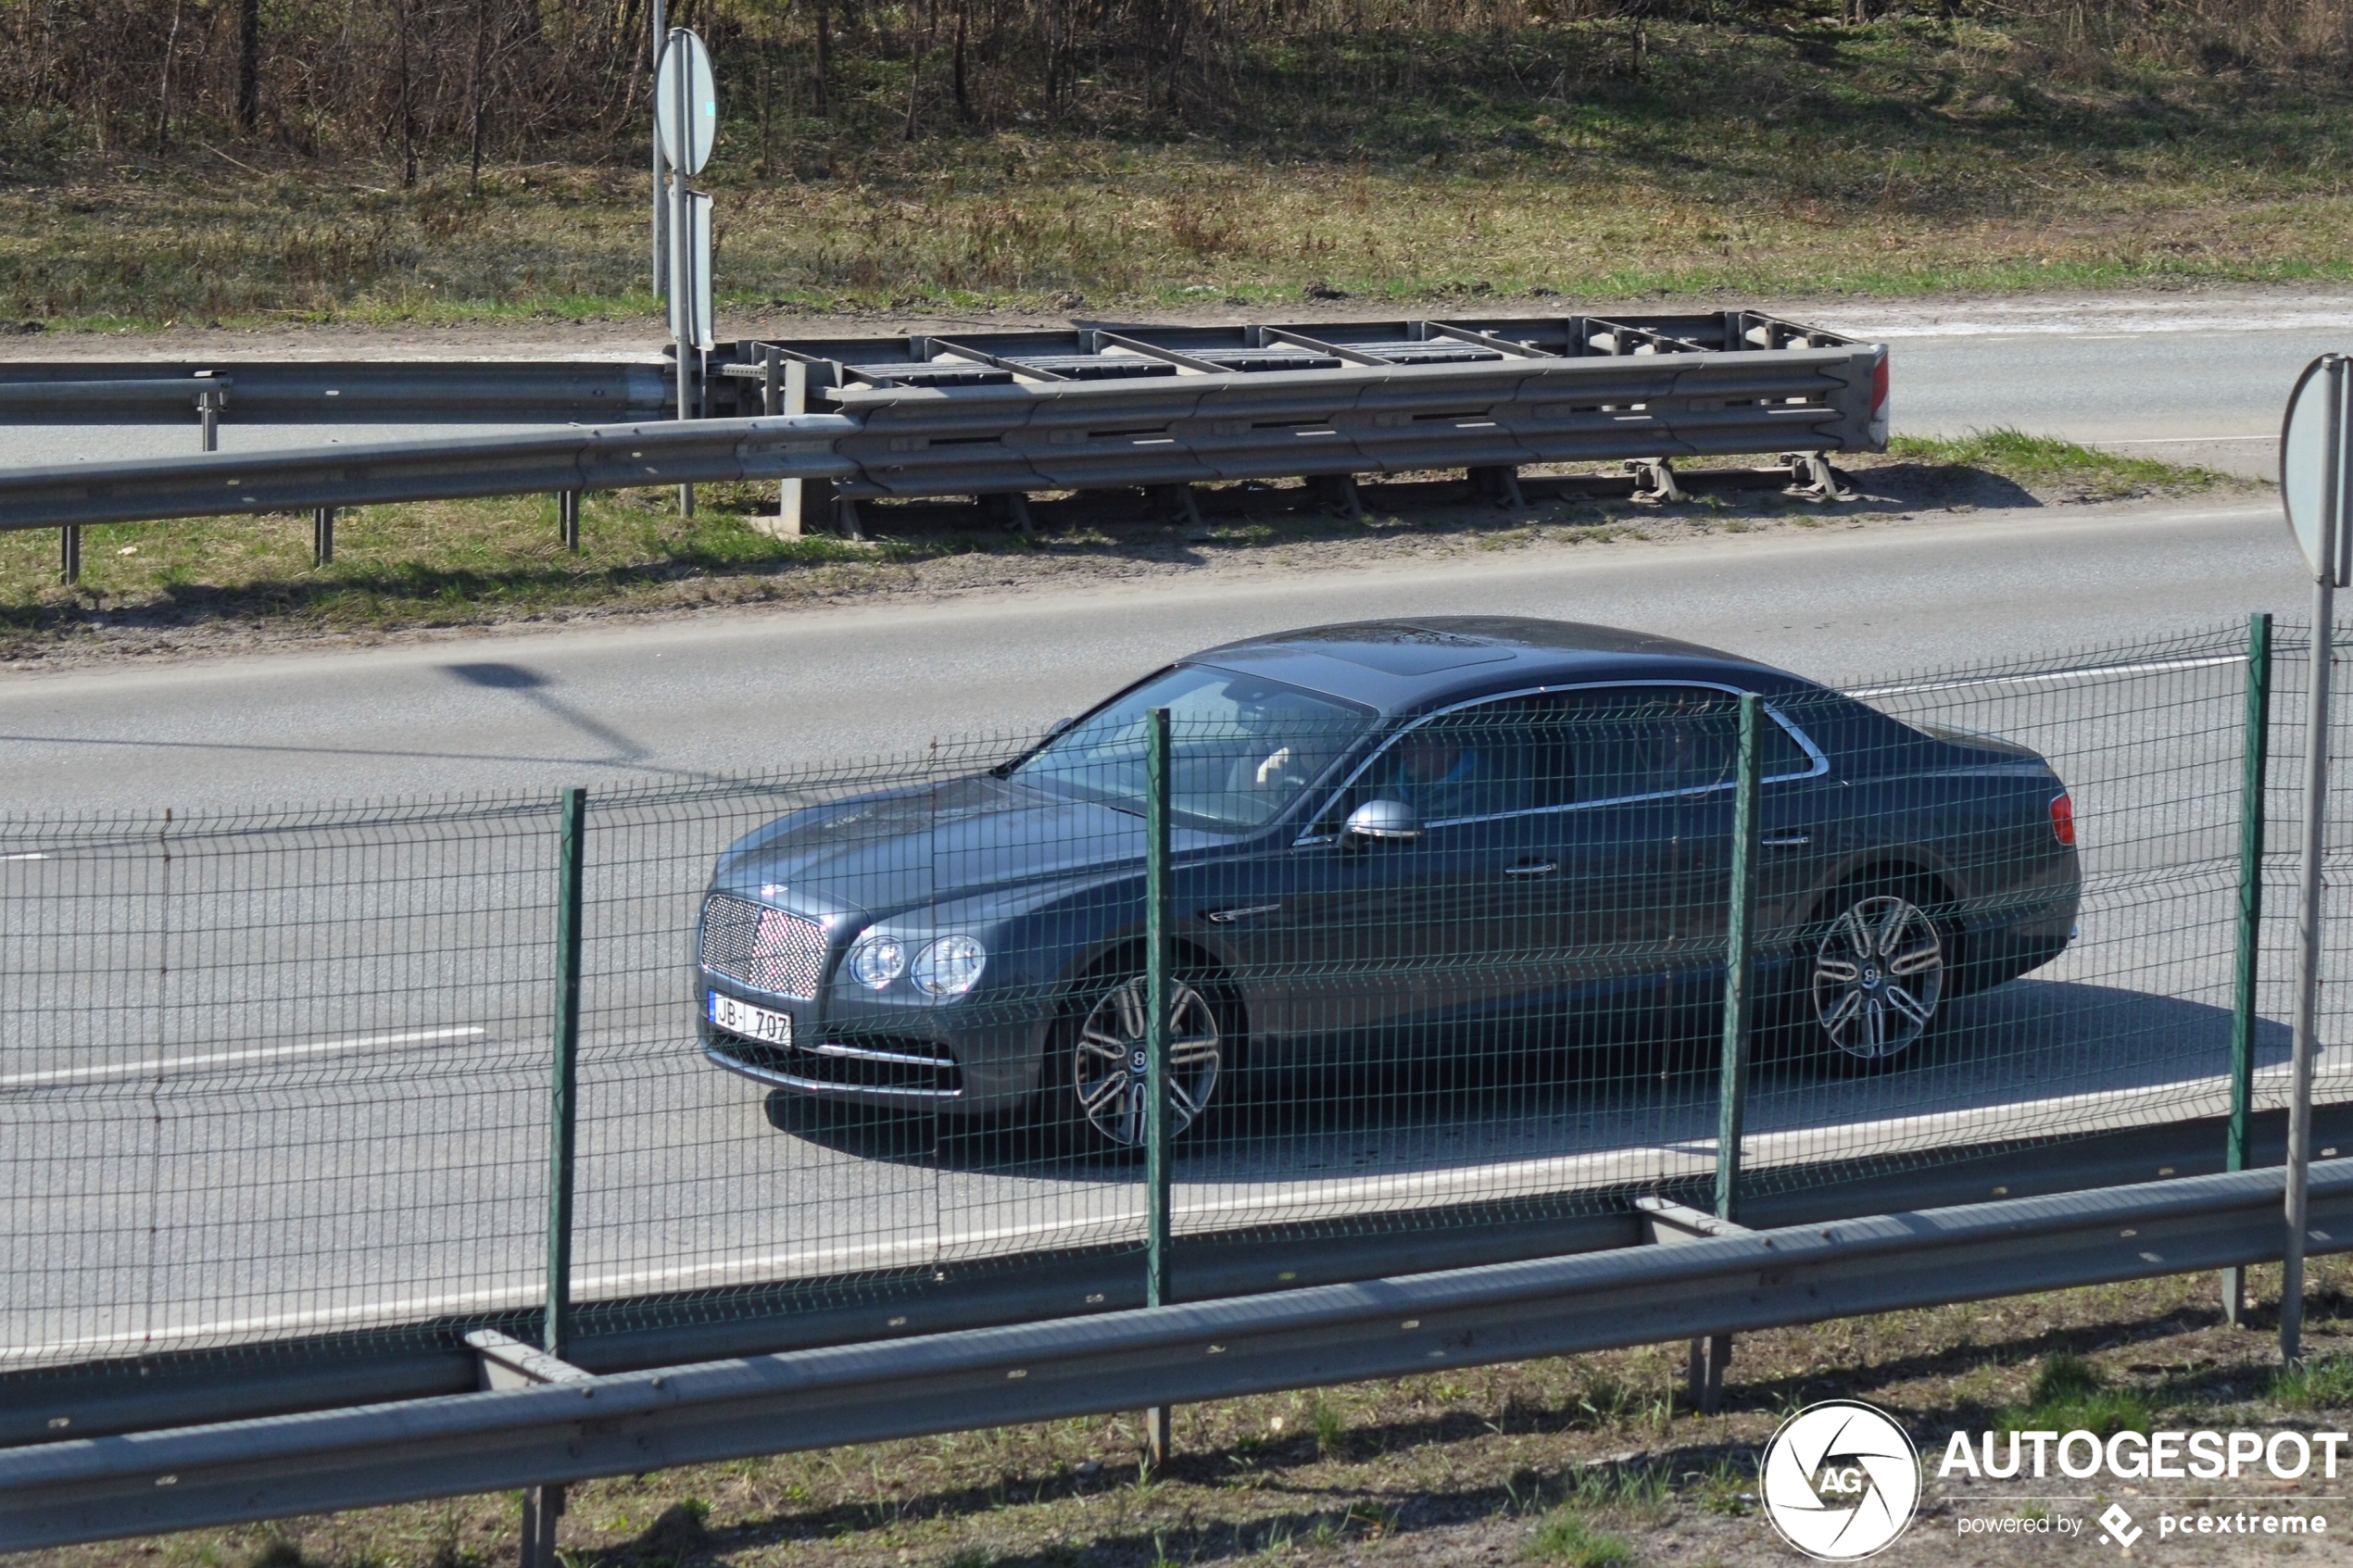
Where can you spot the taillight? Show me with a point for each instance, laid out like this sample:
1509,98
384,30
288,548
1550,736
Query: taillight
2063,819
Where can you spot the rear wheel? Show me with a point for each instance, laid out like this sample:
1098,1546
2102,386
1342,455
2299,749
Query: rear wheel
1098,1082
1875,977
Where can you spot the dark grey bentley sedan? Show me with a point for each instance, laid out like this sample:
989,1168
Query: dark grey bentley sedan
1393,841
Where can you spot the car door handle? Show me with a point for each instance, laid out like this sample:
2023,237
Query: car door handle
1788,841
1532,868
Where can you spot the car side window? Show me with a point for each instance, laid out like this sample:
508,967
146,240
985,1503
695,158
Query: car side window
1489,760
1564,748
1661,740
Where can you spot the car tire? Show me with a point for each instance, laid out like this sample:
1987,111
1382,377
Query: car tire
1873,977
1094,1083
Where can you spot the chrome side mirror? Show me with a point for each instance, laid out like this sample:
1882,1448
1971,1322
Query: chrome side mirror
1388,821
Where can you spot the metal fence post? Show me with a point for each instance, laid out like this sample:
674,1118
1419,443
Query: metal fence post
70,552
1711,1354
2255,756
568,519
1158,996
322,535
542,1506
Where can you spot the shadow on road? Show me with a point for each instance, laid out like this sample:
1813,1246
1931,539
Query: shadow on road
1999,1067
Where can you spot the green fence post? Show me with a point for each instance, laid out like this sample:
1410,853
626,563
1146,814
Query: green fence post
1159,925
563,1109
1740,1000
2255,756
542,1506
1711,1354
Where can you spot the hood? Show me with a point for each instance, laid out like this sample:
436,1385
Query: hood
876,854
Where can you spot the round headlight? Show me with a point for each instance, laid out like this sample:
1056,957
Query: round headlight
876,962
949,967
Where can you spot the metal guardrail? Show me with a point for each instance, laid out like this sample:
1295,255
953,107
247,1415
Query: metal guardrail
339,392
108,1488
332,1372
605,457
1014,438
1236,425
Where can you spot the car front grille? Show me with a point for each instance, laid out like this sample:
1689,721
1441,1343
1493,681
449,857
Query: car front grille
765,948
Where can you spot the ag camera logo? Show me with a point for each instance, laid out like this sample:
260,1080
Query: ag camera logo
1841,1480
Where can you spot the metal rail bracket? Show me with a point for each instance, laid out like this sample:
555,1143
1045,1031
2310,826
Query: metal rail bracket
1668,1224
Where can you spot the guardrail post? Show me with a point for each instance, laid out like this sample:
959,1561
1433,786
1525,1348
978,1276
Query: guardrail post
784,390
322,535
70,552
208,400
1712,1353
542,1506
2254,753
1158,996
568,519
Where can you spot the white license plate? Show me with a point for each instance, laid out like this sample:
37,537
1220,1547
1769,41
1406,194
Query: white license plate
753,1024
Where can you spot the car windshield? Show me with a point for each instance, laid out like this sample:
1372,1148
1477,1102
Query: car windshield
1241,747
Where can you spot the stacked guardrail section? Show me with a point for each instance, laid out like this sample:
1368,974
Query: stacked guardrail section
1000,415
280,1084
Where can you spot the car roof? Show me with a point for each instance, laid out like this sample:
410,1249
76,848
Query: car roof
1400,665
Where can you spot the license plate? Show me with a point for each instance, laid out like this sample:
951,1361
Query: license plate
753,1024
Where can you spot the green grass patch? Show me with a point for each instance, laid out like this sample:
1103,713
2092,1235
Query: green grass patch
2322,1383
2072,1395
1567,1538
2041,462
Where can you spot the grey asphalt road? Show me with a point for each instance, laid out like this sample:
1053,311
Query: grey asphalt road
327,1044
303,1104
736,693
2192,378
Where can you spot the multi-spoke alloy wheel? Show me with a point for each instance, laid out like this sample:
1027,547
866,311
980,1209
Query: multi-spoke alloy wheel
1879,972
1107,1066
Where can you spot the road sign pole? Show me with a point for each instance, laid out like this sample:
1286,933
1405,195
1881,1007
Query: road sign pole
662,220
2331,517
681,262
2255,750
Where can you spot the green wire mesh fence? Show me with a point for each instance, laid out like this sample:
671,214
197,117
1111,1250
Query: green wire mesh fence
845,1030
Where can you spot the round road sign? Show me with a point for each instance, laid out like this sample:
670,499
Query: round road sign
684,58
2312,466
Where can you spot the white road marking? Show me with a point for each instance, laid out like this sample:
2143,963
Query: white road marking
229,1058
2176,440
2087,673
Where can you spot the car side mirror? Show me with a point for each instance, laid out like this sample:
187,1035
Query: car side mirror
1383,822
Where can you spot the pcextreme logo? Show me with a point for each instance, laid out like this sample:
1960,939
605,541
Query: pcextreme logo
1841,1480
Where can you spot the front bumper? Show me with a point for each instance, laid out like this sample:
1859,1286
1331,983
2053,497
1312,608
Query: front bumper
946,1059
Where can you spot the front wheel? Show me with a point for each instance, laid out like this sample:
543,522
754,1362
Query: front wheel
1100,1074
1875,978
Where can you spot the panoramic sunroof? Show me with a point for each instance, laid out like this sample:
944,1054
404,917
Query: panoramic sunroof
1396,648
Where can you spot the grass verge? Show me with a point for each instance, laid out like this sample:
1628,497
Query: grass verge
454,564
1765,153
